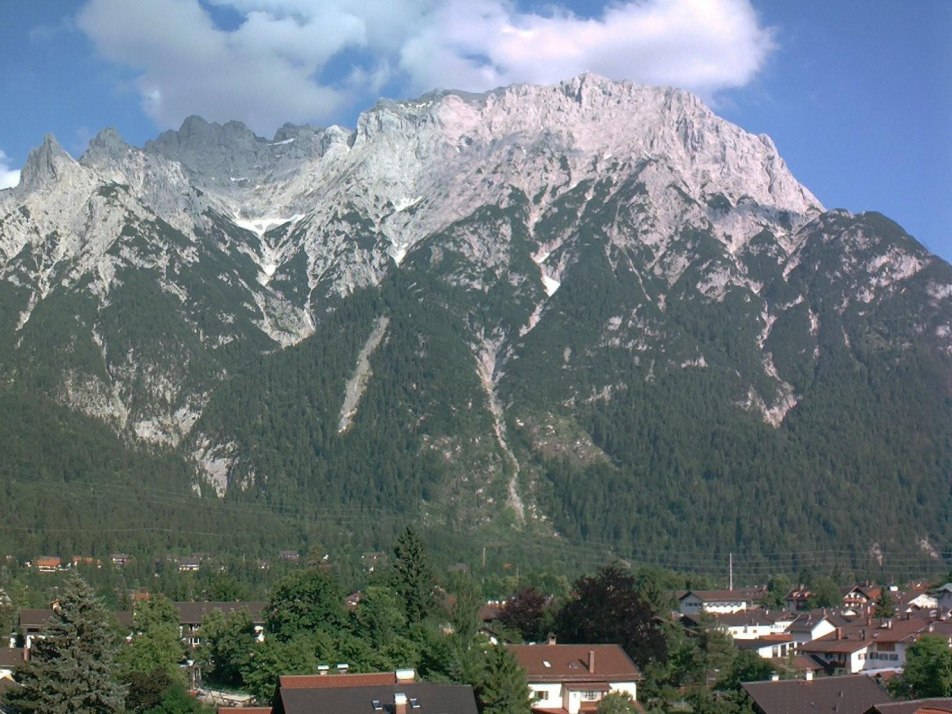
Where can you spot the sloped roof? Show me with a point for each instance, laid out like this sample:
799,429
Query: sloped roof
853,694
330,681
423,698
914,706
560,663
736,595
192,613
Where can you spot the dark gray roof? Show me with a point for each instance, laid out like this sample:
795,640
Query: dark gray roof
429,698
853,694
192,613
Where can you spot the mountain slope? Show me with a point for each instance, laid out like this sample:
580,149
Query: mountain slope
593,309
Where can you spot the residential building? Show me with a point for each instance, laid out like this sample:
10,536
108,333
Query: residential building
566,679
384,692
191,615
48,563
824,695
694,602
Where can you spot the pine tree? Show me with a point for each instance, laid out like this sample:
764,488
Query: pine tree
501,687
72,664
413,575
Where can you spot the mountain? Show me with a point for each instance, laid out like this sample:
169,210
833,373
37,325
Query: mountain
593,312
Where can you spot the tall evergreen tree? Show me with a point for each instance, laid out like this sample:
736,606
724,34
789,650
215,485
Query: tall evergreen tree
412,576
501,687
72,664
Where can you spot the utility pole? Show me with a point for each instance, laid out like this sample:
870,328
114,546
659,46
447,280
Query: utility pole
730,571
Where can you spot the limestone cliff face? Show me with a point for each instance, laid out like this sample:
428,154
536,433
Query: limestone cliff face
580,240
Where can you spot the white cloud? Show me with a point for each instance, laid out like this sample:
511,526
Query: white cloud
8,177
315,60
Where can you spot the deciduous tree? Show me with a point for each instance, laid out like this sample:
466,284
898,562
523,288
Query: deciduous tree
928,671
606,609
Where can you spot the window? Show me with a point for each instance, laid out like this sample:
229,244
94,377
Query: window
590,696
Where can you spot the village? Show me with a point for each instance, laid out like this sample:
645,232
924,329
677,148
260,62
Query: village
844,658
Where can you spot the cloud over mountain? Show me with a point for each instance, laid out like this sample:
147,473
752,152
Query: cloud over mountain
270,61
8,177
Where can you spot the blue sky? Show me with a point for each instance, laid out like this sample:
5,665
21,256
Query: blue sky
857,94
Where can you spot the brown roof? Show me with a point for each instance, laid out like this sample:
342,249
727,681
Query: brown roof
853,694
326,681
11,656
244,710
192,613
824,644
915,706
32,617
549,663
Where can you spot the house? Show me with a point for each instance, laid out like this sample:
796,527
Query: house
86,560
749,624
916,596
843,651
768,646
31,622
872,646
798,598
191,615
10,657
812,625
943,597
120,560
49,563
566,679
861,597
189,564
694,602
385,692
834,695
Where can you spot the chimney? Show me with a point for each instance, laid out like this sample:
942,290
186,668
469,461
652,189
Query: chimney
775,677
400,703
551,639
322,669
591,661
808,675
405,675
839,633
342,668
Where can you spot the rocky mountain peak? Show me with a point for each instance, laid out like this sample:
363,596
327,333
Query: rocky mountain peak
46,166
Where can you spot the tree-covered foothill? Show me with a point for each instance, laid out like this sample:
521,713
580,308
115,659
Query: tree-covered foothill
72,667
